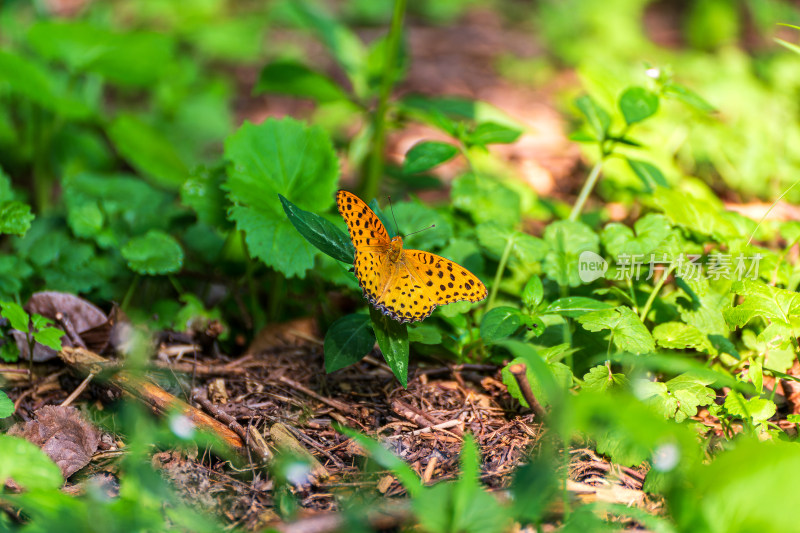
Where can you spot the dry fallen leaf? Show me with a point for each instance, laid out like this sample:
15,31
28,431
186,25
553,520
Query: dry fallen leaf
63,435
72,314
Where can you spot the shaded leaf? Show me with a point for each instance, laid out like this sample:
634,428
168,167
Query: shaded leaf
27,465
500,322
279,157
393,341
63,435
148,151
427,154
155,253
347,341
295,79
320,232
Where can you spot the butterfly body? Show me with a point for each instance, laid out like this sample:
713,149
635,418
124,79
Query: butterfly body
406,285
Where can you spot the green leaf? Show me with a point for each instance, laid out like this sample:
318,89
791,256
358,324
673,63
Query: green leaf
486,200
15,218
424,334
650,174
16,315
491,133
27,465
6,405
414,216
148,151
597,117
651,231
393,341
567,240
756,409
747,487
347,341
202,192
9,352
425,155
340,41
320,232
50,337
548,378
500,322
30,80
679,397
533,293
688,97
637,104
705,308
295,79
762,300
601,379
525,249
279,157
697,215
628,332
122,58
535,485
575,306
155,253
680,336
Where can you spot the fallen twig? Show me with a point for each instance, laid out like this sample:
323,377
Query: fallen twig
520,373
160,401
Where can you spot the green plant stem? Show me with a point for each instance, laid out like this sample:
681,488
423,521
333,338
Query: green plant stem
129,293
656,290
249,269
588,186
369,187
499,274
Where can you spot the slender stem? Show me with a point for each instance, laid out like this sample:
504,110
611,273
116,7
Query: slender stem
129,293
369,187
499,274
176,285
656,290
633,294
588,186
249,269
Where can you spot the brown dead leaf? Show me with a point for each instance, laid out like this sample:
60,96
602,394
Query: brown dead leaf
63,435
72,314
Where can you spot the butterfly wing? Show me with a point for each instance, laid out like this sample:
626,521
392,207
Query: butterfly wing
371,266
366,229
421,281
404,297
442,280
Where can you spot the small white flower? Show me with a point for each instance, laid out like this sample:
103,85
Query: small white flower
666,457
653,73
298,473
182,426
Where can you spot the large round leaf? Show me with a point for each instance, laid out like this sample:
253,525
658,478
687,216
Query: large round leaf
155,253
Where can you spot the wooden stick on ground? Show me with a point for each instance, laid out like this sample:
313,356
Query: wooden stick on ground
157,399
520,373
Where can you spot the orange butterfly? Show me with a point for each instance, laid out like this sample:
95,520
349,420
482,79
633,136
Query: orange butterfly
405,285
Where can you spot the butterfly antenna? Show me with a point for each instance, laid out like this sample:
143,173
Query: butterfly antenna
419,230
391,208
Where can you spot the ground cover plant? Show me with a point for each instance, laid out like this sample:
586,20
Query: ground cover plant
355,266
